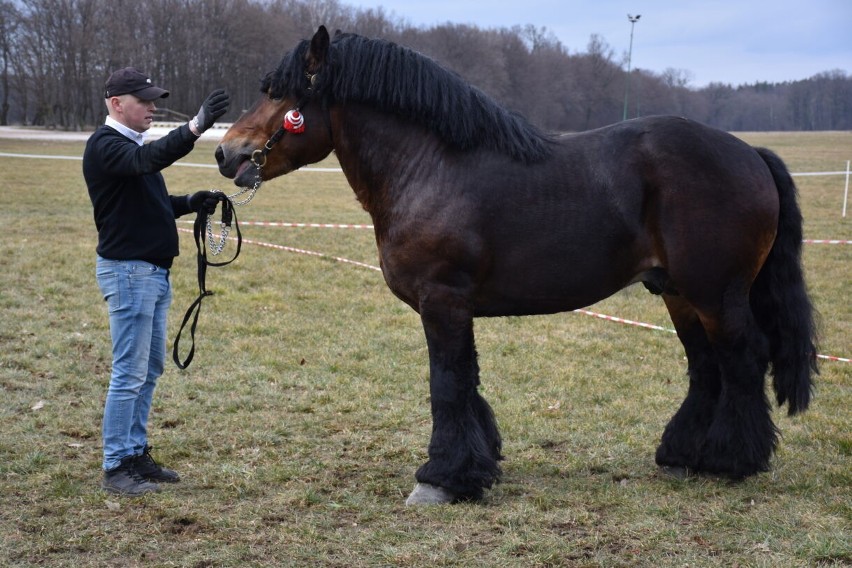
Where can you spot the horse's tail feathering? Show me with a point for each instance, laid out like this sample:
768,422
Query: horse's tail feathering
780,302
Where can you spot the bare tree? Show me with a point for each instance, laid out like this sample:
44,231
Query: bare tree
8,25
593,97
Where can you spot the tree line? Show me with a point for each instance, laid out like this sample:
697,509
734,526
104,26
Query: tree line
56,54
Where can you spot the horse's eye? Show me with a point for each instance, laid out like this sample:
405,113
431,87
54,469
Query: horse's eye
274,97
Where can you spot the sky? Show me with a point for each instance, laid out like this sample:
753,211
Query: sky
715,41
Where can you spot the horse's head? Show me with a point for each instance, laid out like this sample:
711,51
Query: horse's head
268,141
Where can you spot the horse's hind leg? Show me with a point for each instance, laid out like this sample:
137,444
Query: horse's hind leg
680,448
742,437
465,445
724,426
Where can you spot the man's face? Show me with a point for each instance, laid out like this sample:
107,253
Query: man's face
133,112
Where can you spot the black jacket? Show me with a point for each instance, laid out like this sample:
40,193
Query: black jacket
134,214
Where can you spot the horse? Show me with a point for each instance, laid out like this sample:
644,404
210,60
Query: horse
478,213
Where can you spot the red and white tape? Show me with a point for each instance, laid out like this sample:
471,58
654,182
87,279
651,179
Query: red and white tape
625,321
826,242
302,251
669,330
305,225
312,253
296,225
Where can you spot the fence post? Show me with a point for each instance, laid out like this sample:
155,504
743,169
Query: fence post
846,191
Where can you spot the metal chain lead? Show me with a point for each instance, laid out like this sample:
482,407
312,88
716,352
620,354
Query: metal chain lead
246,190
224,230
215,246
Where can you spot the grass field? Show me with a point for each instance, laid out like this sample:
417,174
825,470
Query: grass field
299,425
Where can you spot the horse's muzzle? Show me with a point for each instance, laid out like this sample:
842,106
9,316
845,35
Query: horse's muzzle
237,166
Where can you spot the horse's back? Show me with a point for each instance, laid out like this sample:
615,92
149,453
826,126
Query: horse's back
616,204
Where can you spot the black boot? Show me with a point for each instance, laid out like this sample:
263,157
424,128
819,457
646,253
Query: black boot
150,470
125,480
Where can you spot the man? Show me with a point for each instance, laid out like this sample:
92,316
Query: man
137,242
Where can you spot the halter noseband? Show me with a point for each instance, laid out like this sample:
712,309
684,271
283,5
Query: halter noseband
294,123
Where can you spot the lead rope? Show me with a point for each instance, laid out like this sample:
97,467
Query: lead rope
202,220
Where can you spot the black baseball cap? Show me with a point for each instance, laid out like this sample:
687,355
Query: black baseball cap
131,81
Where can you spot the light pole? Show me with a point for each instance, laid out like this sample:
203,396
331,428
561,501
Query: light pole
633,20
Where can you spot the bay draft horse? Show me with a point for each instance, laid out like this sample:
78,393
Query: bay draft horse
477,214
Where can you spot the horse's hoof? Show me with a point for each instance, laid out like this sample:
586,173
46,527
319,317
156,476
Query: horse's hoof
425,494
676,472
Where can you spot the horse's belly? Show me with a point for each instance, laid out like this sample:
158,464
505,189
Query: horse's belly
526,269
556,289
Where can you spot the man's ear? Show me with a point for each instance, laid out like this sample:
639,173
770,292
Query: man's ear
113,104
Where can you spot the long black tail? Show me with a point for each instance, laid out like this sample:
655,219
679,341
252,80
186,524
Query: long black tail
780,302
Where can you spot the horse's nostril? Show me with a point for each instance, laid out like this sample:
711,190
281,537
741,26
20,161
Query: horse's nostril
220,155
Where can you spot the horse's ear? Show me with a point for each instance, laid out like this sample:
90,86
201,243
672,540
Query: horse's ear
319,46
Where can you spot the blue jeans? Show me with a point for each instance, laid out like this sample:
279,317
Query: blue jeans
138,296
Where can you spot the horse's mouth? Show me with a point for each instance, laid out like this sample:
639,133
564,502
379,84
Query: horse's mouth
247,174
241,167
242,170
237,166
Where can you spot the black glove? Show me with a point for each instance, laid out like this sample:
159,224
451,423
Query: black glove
214,106
206,200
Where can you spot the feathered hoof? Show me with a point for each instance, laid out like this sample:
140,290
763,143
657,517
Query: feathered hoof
425,494
679,472
676,472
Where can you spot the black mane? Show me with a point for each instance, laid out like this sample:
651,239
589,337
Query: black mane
401,81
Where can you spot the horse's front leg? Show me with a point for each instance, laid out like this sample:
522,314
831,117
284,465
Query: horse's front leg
465,445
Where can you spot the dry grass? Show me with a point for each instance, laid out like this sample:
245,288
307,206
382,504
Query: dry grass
299,426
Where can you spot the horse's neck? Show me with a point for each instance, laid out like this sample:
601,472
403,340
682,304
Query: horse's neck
380,154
